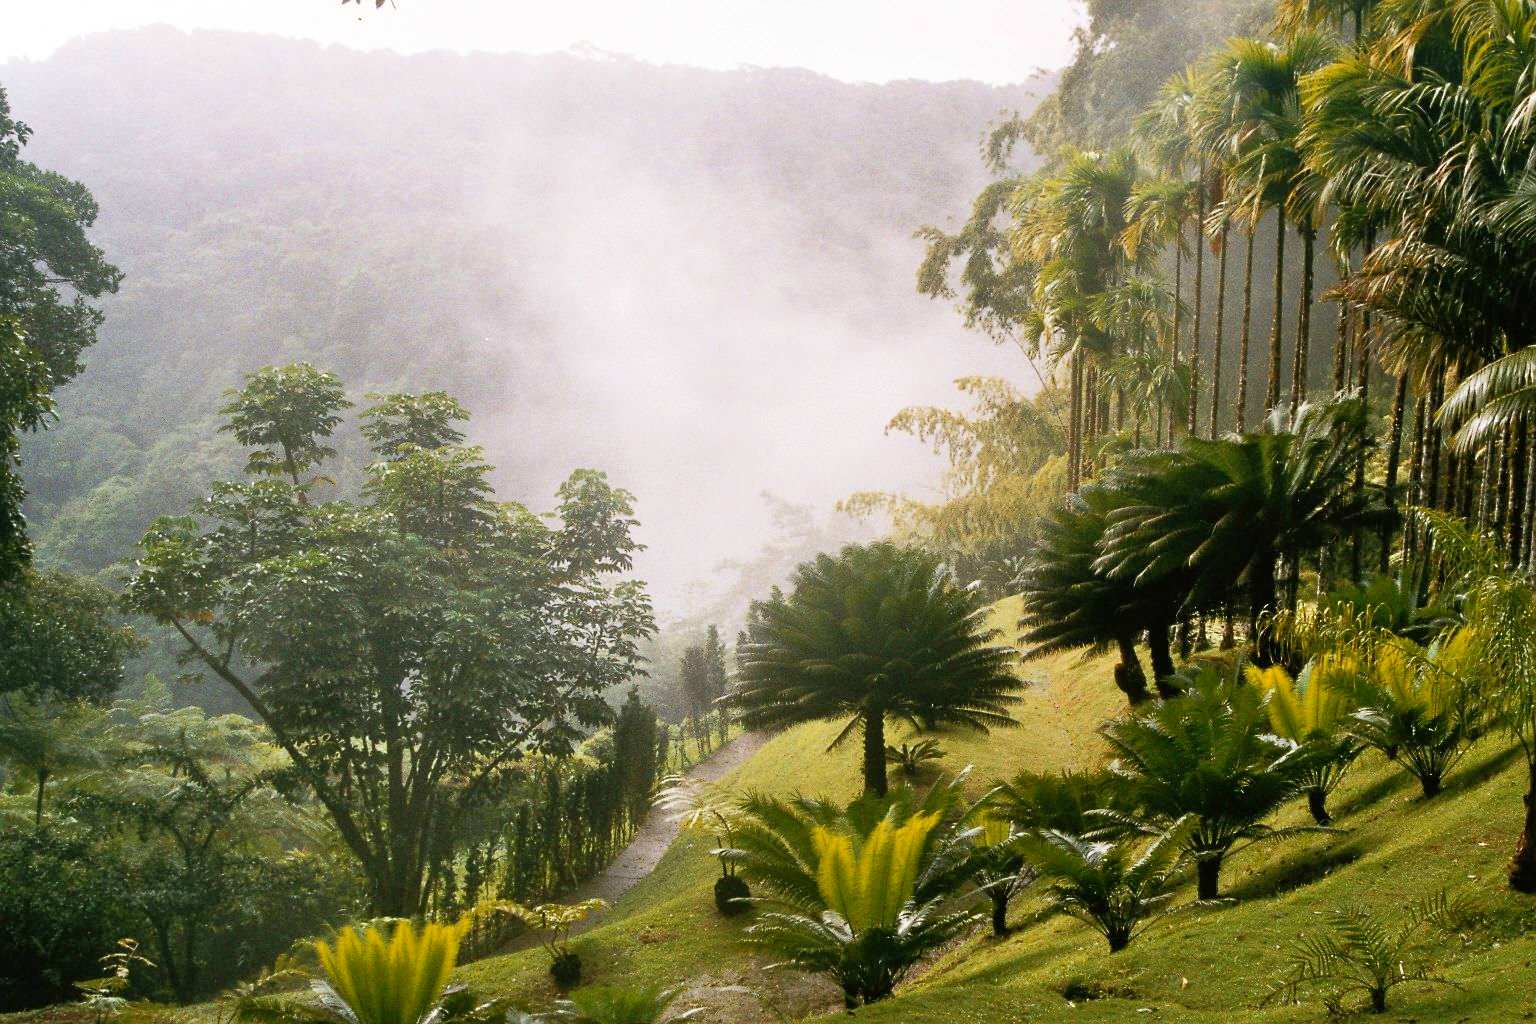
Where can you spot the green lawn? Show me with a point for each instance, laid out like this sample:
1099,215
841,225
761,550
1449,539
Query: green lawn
1201,965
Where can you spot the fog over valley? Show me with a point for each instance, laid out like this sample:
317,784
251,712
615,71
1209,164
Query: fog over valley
700,282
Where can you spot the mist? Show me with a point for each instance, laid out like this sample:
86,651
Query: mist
700,282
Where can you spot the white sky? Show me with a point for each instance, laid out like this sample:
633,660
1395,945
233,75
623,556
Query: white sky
995,41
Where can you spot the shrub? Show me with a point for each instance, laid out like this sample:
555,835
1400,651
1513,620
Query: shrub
371,981
555,921
1111,886
605,1004
858,890
1207,757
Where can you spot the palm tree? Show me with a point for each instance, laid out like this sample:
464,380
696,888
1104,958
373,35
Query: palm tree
1070,605
1166,131
1227,511
856,890
1206,761
875,632
1256,86
1071,226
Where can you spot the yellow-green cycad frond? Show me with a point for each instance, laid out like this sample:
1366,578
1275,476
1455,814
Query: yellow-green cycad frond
394,981
1395,669
1455,663
995,830
1312,706
869,881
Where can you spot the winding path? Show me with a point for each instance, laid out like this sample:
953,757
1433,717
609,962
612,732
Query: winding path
644,852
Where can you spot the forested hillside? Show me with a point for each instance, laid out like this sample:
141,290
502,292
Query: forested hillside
501,227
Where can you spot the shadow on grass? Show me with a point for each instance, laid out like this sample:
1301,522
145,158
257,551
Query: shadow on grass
1472,776
1297,869
1386,786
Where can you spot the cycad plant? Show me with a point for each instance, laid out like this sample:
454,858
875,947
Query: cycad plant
554,922
873,633
701,807
997,864
1363,955
1313,711
1227,512
1420,706
909,758
1115,887
399,980
1071,603
856,891
622,1004
1207,760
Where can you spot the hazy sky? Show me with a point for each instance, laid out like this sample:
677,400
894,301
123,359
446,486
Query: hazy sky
995,41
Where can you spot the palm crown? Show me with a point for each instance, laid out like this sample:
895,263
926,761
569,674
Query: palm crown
874,632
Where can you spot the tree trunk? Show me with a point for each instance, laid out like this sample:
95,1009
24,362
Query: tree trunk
1522,868
1129,676
1194,344
999,911
1394,454
1075,422
1178,314
1304,319
1517,487
1247,335
1277,324
1317,803
1208,877
874,752
1262,595
1341,363
1221,324
1162,658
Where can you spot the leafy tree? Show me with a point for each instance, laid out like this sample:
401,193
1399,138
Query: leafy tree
284,414
198,795
871,633
694,678
634,753
62,638
1069,603
403,649
1227,511
1204,766
45,738
49,273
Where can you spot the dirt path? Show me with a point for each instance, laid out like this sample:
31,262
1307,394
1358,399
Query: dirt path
644,852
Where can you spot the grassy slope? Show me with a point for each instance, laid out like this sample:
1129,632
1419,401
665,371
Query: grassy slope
1206,965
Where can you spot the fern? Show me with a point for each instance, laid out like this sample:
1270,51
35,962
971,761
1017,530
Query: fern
1363,955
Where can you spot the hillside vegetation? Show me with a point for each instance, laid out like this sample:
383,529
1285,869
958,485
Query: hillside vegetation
1209,964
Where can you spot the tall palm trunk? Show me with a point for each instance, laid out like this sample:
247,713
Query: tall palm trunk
1247,334
1194,345
1517,486
1075,422
1394,453
1341,363
1304,318
1221,323
1277,324
1178,313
